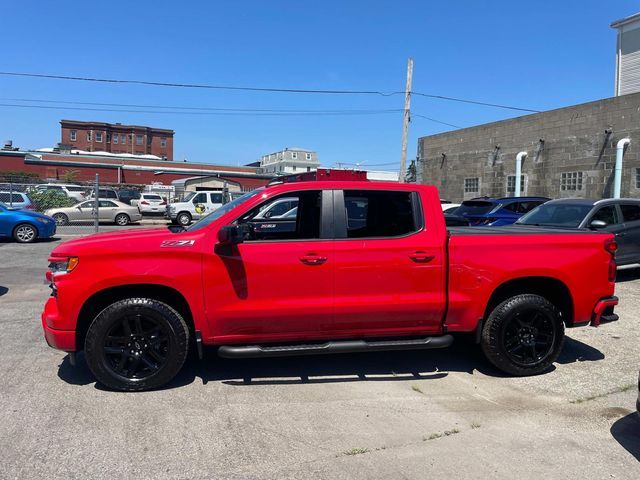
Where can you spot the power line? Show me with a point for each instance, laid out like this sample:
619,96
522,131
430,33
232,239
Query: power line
195,85
474,102
436,121
263,89
216,109
233,113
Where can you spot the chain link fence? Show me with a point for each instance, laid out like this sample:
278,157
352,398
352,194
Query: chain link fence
74,207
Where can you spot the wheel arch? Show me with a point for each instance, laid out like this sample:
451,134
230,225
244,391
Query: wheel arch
103,298
554,290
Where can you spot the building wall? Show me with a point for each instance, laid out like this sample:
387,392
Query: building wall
97,136
289,160
574,139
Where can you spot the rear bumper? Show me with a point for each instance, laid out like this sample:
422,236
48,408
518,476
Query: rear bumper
603,311
60,339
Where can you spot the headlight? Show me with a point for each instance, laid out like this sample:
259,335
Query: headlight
43,220
63,265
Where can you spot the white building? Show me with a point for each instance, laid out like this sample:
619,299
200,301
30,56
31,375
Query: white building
628,55
290,160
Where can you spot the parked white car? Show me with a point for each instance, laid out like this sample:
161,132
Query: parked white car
76,192
449,207
108,211
150,203
194,206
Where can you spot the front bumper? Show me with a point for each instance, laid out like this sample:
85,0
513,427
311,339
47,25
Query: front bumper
603,311
46,230
60,339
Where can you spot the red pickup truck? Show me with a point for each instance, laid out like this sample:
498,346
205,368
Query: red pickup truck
352,266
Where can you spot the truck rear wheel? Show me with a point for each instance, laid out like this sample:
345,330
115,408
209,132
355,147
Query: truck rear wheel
523,335
136,344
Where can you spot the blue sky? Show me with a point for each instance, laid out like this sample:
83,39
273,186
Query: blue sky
538,55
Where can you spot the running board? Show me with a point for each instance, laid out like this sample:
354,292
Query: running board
345,346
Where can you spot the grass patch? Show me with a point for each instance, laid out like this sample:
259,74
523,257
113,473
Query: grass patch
356,451
475,425
624,388
446,433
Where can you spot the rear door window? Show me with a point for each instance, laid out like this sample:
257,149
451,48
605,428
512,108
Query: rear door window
215,197
106,204
630,213
607,214
379,213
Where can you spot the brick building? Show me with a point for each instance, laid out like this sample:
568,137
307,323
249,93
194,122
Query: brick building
570,153
117,138
51,165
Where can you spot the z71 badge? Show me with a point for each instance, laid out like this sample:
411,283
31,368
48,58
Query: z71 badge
177,243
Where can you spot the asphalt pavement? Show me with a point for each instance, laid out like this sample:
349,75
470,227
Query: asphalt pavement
441,414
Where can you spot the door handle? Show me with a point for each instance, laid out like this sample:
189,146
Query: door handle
312,259
421,257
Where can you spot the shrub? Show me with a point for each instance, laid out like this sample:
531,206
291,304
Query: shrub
50,199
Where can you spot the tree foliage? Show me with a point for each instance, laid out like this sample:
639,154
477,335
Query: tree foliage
50,199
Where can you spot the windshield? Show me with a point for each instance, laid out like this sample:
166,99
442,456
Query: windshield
475,207
189,196
217,213
556,215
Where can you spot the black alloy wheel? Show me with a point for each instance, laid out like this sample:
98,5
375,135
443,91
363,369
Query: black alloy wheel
523,335
136,344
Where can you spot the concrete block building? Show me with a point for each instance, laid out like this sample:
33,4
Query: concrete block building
570,153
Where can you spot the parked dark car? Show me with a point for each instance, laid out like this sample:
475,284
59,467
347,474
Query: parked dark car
125,195
620,216
496,212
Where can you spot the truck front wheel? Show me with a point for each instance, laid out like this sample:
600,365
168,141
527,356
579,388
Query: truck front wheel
523,335
136,344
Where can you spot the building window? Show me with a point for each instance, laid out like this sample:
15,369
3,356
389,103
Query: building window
294,168
511,184
108,138
89,136
115,138
98,136
123,139
294,155
571,181
73,135
139,139
637,177
308,156
308,169
163,142
472,185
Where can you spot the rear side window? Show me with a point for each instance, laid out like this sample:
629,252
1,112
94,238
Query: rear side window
630,213
475,207
216,197
75,189
608,215
378,213
106,203
7,197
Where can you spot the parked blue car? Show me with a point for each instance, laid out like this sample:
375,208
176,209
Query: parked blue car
495,212
24,226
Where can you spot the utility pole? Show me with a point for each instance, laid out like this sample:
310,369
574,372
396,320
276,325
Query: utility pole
406,120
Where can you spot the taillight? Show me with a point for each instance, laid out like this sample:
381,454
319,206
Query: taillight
31,207
611,246
144,202
163,203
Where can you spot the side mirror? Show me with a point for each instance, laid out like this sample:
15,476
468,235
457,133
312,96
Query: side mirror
597,224
231,235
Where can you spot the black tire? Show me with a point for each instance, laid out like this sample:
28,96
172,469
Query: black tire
25,233
61,219
147,356
184,218
122,219
523,335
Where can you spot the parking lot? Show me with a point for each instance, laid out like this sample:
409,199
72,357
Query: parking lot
389,415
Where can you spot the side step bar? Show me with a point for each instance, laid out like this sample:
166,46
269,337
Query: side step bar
345,346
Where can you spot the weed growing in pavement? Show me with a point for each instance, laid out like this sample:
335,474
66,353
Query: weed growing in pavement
415,388
475,425
624,388
356,451
446,433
